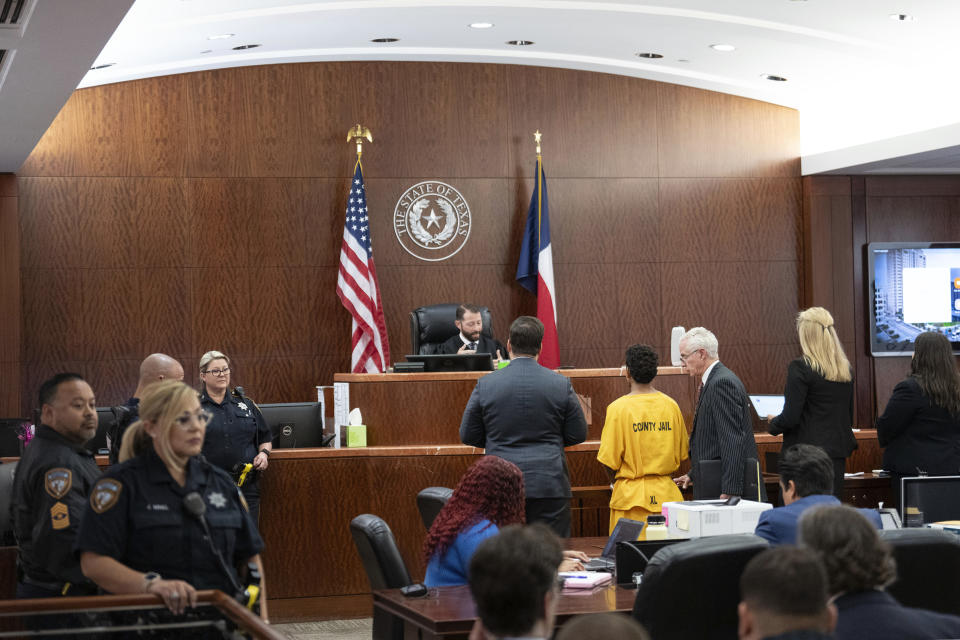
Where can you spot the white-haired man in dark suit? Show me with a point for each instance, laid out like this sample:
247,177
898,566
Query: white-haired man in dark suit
722,426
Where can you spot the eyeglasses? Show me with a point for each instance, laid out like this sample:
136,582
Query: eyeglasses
218,372
202,417
685,356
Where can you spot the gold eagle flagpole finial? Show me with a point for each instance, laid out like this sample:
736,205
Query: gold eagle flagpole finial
536,138
358,133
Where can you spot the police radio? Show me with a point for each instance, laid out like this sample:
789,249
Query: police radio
249,596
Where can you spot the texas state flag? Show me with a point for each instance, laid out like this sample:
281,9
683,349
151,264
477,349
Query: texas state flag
535,268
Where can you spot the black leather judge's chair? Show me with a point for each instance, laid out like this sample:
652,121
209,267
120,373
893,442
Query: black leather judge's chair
691,589
384,566
429,503
432,325
928,569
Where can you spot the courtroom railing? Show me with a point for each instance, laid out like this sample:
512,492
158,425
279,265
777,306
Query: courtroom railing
216,615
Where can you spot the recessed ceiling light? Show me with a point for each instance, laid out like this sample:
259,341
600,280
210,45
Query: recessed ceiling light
481,25
901,17
768,76
647,54
102,66
384,39
520,43
245,46
723,47
221,36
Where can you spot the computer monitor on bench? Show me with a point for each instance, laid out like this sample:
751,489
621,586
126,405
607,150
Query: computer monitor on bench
294,424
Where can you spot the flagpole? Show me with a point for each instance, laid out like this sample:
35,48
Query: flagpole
358,133
537,136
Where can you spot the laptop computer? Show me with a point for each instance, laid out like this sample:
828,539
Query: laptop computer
625,530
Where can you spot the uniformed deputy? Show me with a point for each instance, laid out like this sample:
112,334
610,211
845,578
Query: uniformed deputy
138,536
237,434
50,490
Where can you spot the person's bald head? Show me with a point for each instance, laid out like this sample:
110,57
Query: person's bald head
157,367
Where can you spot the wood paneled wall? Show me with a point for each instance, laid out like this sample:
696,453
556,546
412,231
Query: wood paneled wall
204,210
842,214
9,298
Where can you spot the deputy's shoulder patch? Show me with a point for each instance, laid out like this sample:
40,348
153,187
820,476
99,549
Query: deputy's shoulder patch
57,482
59,516
105,494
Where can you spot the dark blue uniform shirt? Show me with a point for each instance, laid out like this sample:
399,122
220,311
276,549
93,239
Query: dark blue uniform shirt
136,516
235,433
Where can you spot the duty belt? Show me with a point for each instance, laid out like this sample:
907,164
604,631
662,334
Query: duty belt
63,588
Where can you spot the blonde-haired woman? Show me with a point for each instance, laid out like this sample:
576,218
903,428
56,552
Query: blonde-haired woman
137,534
819,394
237,433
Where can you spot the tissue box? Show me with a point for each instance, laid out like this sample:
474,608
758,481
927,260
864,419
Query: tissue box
712,518
356,435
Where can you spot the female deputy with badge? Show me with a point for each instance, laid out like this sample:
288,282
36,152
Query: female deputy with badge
165,521
237,436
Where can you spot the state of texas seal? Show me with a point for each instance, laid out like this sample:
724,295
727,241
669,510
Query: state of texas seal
432,221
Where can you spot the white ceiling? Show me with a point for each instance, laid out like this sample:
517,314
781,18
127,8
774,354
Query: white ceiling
875,95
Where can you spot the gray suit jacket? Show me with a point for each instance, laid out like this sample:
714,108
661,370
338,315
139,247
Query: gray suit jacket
527,414
723,429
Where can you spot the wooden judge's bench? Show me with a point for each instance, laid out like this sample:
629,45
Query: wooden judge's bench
310,495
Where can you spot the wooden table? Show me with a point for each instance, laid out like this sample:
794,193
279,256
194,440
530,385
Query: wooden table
449,612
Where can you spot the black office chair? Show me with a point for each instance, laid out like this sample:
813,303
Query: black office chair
432,325
430,501
384,566
7,471
691,589
928,569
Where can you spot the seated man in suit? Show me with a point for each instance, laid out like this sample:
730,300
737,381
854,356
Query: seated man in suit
513,580
859,565
785,597
806,480
470,338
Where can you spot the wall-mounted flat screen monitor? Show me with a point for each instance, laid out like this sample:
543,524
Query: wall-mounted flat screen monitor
294,424
433,363
929,499
914,287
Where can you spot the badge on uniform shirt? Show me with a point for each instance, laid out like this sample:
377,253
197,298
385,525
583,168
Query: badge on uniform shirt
57,482
105,494
59,516
242,405
217,499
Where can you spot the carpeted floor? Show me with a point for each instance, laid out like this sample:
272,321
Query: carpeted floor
361,629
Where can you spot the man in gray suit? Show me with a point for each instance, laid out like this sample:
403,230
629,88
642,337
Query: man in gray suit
527,414
722,427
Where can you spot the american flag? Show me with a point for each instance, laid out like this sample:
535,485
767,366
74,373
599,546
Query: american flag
357,285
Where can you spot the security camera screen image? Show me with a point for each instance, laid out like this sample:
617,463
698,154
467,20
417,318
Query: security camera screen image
915,290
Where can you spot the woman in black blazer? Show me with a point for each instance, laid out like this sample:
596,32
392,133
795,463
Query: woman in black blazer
920,428
818,409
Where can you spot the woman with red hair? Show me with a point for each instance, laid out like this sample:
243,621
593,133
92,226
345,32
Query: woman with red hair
488,497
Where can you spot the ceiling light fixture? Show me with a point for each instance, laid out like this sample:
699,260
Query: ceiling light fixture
221,36
723,47
520,43
382,40
648,55
481,25
901,17
768,76
102,66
